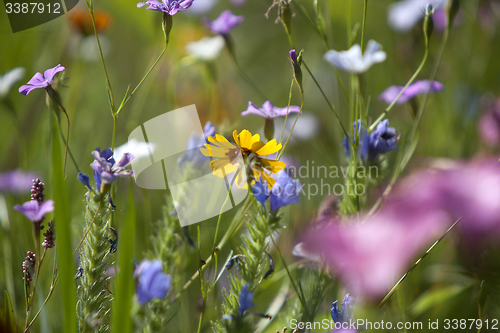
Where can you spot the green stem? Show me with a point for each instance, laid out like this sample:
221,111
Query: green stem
414,76
365,9
293,126
111,100
410,146
327,101
288,111
143,78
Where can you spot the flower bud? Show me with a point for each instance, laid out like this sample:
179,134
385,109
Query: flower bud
166,25
269,129
428,24
296,61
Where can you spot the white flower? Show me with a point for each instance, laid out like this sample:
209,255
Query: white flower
403,15
138,149
8,80
353,61
206,49
200,7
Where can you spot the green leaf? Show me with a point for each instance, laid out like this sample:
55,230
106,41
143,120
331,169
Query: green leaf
122,303
9,313
436,297
65,261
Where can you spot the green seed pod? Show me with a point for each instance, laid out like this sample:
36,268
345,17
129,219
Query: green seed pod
286,15
269,129
166,25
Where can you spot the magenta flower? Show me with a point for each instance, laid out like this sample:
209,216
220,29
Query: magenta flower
413,90
40,80
269,111
152,282
224,23
34,211
170,7
370,257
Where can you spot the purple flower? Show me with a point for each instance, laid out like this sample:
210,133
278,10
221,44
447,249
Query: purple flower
193,154
269,111
40,80
261,191
285,191
380,141
245,299
170,7
16,181
224,23
34,211
413,90
346,314
106,170
152,282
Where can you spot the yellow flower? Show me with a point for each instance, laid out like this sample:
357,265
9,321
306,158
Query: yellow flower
250,147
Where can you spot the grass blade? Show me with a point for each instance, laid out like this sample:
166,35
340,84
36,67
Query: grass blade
122,303
63,235
9,313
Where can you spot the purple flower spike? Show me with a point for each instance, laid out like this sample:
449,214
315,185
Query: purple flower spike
106,170
224,23
285,191
151,281
34,211
170,7
40,80
413,90
269,111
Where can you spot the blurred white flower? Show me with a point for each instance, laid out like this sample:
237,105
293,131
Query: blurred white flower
307,127
206,49
137,148
353,61
200,7
403,15
8,80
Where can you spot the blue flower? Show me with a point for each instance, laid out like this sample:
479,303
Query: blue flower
170,7
245,299
364,140
261,191
382,140
152,282
85,180
285,191
346,314
194,144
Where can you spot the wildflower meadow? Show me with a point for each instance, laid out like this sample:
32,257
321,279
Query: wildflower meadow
236,166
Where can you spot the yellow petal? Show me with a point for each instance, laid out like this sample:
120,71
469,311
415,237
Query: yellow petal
270,148
245,139
256,146
236,138
271,165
